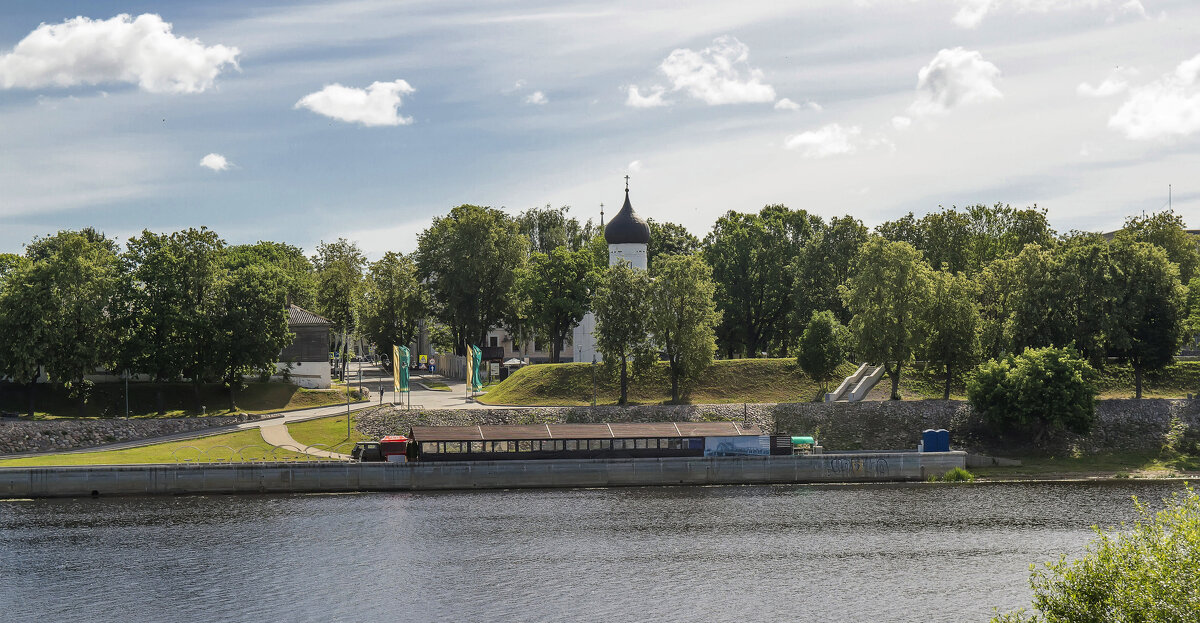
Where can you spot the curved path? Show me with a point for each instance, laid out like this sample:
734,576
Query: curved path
279,436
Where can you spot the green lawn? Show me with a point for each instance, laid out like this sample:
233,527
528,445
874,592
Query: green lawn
244,445
327,431
179,399
726,381
435,385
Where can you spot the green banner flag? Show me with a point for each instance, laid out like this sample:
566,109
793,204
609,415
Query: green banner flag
405,361
476,361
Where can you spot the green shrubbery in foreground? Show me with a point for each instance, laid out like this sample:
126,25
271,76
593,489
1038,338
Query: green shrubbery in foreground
1149,572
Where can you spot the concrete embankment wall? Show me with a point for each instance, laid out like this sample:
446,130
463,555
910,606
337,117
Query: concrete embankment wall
17,436
30,482
1121,425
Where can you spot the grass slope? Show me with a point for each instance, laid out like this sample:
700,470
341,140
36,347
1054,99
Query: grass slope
727,381
327,431
780,380
179,399
249,443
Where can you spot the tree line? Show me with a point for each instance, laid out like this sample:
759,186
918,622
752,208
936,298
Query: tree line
953,288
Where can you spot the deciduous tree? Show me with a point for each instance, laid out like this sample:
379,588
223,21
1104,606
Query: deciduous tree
683,317
951,321
623,307
339,268
887,294
251,324
1042,392
557,290
393,302
1148,318
822,348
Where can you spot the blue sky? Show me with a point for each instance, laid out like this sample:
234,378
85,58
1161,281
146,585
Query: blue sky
1089,108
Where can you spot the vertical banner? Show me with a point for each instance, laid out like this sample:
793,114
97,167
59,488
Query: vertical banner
476,364
395,369
470,375
405,362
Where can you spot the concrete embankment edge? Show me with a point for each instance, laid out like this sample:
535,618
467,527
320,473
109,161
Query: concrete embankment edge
76,481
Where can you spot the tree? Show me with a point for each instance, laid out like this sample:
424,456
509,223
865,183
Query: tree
1020,302
1042,392
683,317
1082,293
822,348
1147,571
969,240
749,255
549,228
951,326
622,306
822,265
468,259
80,276
1148,313
1167,231
887,295
393,302
557,289
299,276
669,239
339,267
24,327
251,324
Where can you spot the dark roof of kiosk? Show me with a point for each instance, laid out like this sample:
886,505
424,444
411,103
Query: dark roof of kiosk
298,316
627,227
583,431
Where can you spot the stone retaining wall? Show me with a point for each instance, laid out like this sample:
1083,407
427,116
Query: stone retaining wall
1121,425
19,436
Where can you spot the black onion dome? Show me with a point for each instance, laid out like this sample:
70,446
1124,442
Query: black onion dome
627,227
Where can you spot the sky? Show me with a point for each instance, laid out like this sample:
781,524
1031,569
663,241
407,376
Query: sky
365,119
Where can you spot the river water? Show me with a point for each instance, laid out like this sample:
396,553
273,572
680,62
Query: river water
761,553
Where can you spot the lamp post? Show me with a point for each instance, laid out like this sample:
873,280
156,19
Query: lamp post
593,379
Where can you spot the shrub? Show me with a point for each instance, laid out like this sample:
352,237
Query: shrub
1041,392
958,474
1145,572
822,348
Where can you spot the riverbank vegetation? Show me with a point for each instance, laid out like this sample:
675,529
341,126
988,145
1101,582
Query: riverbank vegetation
244,445
1144,571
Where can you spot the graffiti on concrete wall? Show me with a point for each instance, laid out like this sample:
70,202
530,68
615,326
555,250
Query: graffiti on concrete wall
857,467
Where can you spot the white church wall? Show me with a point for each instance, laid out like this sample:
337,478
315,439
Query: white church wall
632,252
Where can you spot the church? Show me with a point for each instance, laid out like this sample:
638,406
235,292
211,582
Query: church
628,238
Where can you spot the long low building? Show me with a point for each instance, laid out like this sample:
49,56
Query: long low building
616,440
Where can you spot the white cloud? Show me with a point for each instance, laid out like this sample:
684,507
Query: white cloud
377,105
971,12
900,122
537,97
1167,107
954,77
786,104
634,167
140,51
718,74
216,162
828,140
653,100
1112,85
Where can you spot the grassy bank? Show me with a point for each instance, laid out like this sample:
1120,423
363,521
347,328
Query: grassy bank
727,381
1114,381
327,431
246,444
178,399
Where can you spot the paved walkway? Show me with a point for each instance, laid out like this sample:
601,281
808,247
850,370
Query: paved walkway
279,436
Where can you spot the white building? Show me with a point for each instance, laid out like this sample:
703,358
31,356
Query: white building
628,236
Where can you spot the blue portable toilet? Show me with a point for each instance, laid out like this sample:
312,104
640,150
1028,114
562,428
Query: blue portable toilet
929,440
943,440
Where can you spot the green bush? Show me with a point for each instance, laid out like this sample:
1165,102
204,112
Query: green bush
1042,392
1149,572
957,474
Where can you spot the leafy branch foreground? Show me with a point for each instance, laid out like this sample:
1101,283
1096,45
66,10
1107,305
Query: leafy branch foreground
1150,572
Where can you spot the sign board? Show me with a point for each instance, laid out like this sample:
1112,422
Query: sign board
423,359
745,445
494,369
